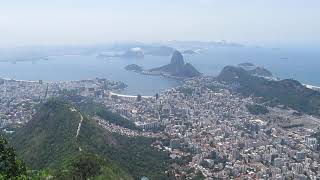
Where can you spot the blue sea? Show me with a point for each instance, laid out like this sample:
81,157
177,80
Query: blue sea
299,64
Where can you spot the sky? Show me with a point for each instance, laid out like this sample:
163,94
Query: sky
62,22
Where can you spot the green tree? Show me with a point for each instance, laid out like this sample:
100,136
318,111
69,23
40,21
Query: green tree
83,167
10,166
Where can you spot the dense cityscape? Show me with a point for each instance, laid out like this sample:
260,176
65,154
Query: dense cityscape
210,129
160,90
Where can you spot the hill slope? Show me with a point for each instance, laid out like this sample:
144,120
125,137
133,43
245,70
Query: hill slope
49,136
255,70
50,141
288,92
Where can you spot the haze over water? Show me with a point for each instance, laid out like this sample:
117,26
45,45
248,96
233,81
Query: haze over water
284,23
302,65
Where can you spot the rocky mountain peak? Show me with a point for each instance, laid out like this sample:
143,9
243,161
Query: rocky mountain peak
177,59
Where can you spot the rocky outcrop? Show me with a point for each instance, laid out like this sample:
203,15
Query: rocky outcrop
256,70
177,67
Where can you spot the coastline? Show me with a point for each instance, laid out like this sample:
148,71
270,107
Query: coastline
162,74
19,80
149,73
316,88
309,86
129,96
52,82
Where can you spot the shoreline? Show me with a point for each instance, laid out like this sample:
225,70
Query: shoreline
50,82
148,73
129,96
18,80
316,88
309,86
160,74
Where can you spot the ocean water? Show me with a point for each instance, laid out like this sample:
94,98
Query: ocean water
302,65
67,68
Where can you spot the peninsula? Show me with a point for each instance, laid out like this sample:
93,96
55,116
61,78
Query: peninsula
176,68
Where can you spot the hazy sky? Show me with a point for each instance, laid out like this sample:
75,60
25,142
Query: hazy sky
43,22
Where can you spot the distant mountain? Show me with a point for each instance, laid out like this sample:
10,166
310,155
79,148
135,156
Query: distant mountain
60,137
288,92
133,53
153,50
137,52
178,67
158,50
202,44
189,52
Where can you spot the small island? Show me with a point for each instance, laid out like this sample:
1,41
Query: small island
134,67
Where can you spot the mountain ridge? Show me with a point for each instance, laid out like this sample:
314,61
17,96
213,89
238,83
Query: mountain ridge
53,140
288,92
